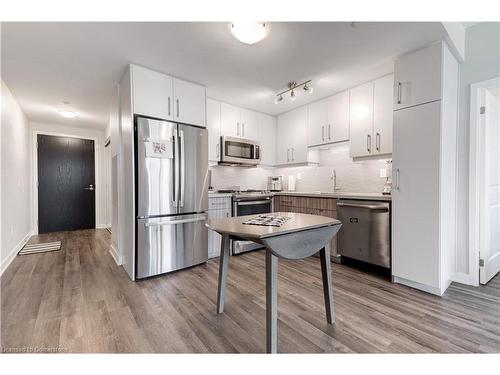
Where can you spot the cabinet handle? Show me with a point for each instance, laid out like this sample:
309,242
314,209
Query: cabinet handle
238,129
397,179
242,129
323,133
329,132
177,107
169,111
399,92
377,141
369,143
287,154
217,151
293,150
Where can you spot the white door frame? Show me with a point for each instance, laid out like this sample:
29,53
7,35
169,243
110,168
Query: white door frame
477,91
35,174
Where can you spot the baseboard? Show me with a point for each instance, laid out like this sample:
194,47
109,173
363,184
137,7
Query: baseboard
102,226
419,286
115,254
8,260
463,278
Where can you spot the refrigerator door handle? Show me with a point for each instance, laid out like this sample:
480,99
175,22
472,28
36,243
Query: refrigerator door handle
182,162
174,222
176,167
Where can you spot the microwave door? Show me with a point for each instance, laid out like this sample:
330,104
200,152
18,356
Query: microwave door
156,168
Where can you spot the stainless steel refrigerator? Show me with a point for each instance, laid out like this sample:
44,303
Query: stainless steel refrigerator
172,196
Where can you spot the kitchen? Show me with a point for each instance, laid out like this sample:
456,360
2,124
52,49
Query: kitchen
229,215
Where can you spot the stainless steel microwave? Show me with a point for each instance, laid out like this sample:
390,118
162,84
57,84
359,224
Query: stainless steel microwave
239,151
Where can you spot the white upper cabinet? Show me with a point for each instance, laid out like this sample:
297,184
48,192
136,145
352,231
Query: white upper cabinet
318,123
213,126
361,120
249,128
338,117
371,118
190,103
230,120
161,96
152,93
292,137
418,77
383,115
267,140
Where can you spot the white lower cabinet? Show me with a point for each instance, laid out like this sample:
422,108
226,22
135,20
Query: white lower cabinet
218,208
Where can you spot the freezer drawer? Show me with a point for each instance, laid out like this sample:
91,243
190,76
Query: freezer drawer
365,233
166,244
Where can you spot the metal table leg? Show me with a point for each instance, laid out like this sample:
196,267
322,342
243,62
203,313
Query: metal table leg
271,302
223,266
327,283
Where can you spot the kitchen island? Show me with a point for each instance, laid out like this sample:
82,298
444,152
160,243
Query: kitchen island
301,236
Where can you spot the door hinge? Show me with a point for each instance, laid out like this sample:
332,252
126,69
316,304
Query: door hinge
481,262
482,110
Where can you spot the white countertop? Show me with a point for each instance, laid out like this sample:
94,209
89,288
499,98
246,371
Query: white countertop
345,195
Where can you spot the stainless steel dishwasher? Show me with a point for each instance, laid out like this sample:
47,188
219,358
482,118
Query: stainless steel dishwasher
365,234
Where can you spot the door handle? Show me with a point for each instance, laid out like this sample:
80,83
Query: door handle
399,92
91,187
174,222
176,167
397,179
368,143
169,105
177,101
377,141
183,166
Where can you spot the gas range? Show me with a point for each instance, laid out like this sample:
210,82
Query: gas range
249,194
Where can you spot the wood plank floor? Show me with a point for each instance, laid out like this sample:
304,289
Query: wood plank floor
78,300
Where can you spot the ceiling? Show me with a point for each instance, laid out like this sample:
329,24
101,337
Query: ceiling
45,64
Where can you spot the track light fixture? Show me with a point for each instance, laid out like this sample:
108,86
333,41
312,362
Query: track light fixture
292,86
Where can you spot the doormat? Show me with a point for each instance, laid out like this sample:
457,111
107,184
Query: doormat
40,248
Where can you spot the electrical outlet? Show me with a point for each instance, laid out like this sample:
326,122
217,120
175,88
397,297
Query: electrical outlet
299,176
383,172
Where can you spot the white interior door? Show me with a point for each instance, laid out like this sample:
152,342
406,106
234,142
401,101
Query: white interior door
489,236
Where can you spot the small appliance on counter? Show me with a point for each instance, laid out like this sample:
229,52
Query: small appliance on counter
275,183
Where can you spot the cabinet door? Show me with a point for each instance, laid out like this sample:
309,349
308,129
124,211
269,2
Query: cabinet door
152,93
338,117
249,128
230,120
213,125
415,196
383,115
317,123
214,238
417,77
361,120
190,103
267,140
283,138
298,135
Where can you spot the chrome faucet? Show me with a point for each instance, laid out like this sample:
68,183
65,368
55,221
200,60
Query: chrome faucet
334,178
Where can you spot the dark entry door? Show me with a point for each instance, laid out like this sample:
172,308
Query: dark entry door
66,184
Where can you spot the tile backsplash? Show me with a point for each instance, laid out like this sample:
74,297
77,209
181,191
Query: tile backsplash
352,176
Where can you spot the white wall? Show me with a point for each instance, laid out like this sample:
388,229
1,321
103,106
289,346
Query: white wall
100,170
15,178
352,176
482,62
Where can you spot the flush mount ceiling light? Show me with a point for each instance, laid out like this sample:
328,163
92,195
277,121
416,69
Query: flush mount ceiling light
67,113
292,86
249,32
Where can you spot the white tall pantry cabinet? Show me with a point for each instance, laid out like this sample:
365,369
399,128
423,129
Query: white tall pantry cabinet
424,169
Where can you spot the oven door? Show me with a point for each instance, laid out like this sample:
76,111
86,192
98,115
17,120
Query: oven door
240,151
252,207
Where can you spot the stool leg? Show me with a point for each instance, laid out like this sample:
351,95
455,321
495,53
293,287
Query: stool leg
327,283
223,265
271,302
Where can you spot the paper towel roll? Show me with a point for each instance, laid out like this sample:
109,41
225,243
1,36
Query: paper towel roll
291,183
